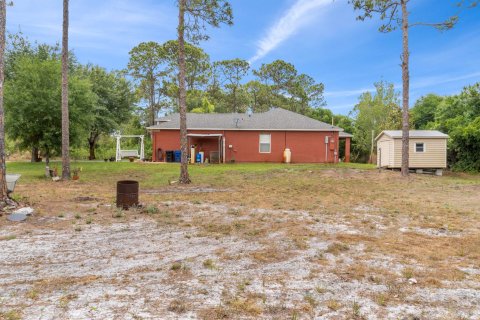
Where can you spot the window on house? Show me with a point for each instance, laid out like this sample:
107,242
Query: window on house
265,143
419,147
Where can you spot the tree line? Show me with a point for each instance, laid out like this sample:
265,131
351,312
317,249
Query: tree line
218,86
100,101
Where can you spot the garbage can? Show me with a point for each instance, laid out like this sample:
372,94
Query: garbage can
127,194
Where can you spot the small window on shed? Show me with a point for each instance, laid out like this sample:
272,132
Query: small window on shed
265,143
419,147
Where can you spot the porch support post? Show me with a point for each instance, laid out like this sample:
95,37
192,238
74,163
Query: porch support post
142,148
118,156
347,150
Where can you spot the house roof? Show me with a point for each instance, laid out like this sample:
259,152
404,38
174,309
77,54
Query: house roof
344,134
274,119
429,134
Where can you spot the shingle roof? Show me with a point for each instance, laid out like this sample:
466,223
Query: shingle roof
397,134
274,119
345,135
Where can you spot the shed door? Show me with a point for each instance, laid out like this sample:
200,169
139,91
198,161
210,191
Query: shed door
383,154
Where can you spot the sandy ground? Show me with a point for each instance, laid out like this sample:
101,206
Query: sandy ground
185,266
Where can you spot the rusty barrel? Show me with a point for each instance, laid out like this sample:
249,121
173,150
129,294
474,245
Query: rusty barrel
127,194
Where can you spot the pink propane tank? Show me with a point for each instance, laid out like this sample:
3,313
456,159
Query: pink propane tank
287,155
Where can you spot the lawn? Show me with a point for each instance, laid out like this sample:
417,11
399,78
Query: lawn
244,241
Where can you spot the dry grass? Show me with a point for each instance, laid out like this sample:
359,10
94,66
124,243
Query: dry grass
270,241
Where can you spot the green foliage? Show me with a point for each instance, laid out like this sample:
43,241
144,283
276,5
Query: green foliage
114,103
154,67
289,90
201,13
390,12
459,117
204,107
32,100
377,112
423,113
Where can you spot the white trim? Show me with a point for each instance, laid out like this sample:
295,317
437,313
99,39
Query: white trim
240,129
206,135
269,142
424,147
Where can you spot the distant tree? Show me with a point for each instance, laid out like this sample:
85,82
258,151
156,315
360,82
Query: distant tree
65,111
33,105
306,93
279,76
395,13
199,14
258,94
459,117
204,107
423,113
232,72
114,103
197,64
372,114
288,89
146,66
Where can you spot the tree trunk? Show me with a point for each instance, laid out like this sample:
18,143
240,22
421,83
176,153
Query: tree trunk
35,156
92,143
65,116
184,178
152,100
4,199
406,91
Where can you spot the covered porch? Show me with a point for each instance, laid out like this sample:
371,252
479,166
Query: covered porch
345,138
212,145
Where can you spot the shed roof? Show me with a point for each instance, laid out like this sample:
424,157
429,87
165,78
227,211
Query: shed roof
427,134
274,119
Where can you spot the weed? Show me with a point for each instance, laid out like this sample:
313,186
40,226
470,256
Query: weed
336,248
333,305
310,300
151,209
118,213
78,216
381,299
177,306
32,294
320,290
356,309
408,273
78,228
242,285
65,300
209,264
10,315
89,220
8,238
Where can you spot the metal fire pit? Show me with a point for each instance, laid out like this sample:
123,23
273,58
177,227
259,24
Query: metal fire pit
127,194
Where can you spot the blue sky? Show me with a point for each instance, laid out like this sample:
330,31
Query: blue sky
320,37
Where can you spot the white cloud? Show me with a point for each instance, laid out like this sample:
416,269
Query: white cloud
300,14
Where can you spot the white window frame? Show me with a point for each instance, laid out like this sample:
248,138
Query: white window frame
269,143
424,147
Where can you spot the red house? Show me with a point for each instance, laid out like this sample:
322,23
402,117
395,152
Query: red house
256,137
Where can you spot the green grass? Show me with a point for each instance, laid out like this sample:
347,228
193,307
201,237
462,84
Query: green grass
159,174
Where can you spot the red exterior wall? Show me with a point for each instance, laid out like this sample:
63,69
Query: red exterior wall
306,147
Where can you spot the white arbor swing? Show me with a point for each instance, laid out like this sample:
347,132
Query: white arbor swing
120,154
